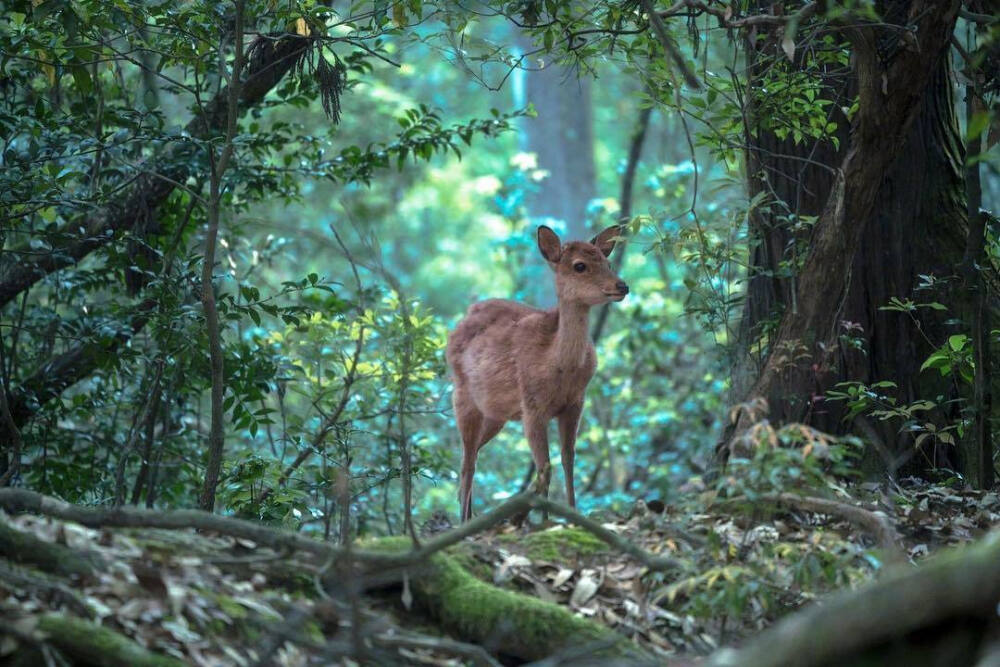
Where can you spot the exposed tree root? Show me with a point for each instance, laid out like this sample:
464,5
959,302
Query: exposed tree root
22,500
20,547
500,620
503,621
86,643
961,586
872,522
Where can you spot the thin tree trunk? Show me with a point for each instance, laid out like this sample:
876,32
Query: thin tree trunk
976,450
561,136
625,202
142,419
219,166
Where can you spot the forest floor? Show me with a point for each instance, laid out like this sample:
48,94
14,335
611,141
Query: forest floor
206,598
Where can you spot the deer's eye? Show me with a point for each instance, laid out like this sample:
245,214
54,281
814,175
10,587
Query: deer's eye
579,267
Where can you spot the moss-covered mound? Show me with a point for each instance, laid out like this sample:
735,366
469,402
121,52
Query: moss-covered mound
503,621
557,544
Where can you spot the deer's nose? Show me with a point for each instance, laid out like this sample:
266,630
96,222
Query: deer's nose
622,286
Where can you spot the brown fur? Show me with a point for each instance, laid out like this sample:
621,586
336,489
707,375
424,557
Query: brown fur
513,362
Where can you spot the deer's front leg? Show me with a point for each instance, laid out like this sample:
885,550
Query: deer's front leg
536,430
569,422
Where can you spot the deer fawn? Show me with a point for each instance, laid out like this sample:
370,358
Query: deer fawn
514,362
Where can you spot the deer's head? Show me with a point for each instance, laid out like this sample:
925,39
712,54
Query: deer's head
583,273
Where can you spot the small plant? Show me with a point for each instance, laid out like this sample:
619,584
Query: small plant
794,457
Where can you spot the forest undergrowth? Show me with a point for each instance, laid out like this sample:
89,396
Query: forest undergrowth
664,583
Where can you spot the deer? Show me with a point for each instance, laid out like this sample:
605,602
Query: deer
513,362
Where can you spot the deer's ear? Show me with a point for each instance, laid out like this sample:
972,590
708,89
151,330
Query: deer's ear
548,244
605,241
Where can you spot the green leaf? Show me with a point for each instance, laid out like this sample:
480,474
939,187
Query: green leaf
957,342
936,360
82,78
979,122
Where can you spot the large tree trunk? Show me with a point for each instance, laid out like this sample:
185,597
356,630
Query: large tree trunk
918,228
562,137
863,247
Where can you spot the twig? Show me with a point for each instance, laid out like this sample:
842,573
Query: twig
330,421
806,11
654,562
142,420
875,523
982,19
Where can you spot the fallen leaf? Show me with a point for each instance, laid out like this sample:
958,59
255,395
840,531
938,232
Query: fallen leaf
562,576
586,587
512,561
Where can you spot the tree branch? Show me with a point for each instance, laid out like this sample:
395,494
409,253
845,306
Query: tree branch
668,44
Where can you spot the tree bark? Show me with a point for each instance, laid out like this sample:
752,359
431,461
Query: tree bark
976,450
792,181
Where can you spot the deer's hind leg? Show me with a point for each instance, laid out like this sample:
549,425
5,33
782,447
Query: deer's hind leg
476,430
469,420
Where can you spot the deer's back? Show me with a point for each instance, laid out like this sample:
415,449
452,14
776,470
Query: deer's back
482,352
488,328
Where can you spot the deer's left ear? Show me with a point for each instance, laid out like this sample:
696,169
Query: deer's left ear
605,241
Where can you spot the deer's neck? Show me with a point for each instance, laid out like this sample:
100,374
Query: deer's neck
572,335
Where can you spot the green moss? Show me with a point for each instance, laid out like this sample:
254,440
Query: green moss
501,620
479,612
464,556
96,645
557,545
